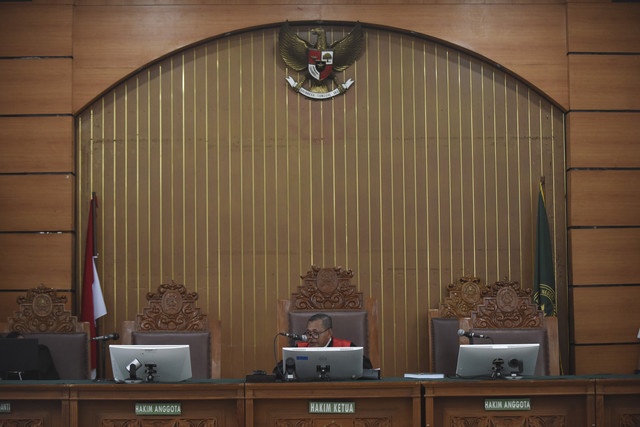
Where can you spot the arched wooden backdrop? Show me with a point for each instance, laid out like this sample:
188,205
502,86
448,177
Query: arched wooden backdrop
212,172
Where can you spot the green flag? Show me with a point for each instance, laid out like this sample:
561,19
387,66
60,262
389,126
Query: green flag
544,283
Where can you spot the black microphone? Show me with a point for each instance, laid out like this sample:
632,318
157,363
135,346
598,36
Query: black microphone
113,336
295,337
463,333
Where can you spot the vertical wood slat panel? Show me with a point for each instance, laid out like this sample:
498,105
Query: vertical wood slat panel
603,198
597,308
237,188
250,106
36,30
604,256
35,86
19,253
604,82
200,163
36,202
36,144
361,181
603,27
605,140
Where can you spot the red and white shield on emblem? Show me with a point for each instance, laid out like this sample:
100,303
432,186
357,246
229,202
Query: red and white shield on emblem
320,63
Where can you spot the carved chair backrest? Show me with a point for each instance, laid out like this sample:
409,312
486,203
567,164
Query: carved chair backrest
464,296
506,305
508,314
171,308
42,310
330,291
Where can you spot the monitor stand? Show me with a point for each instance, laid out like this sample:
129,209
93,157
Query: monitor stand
150,372
290,370
496,371
516,366
133,378
323,371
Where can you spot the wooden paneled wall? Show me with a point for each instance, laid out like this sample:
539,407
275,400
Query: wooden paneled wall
111,38
214,173
603,148
37,170
58,55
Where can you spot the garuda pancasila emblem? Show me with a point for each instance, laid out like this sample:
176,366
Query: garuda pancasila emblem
320,61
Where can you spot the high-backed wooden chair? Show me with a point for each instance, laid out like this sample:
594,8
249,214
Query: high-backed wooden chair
509,315
505,312
172,318
453,313
42,315
330,291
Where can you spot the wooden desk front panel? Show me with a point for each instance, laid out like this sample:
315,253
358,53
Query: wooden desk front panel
35,404
376,403
618,402
553,402
113,405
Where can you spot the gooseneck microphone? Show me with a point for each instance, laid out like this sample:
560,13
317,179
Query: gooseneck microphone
295,337
463,333
113,336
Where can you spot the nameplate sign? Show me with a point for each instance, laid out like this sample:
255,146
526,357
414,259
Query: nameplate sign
5,407
521,404
154,408
332,407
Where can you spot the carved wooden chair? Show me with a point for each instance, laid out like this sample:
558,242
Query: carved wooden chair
42,315
509,315
172,318
329,290
504,311
452,314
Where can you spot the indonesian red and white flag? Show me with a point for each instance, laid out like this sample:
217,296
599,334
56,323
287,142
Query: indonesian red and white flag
93,306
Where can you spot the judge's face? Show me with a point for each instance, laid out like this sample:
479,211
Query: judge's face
318,336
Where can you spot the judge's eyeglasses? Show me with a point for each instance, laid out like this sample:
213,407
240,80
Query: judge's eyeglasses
315,333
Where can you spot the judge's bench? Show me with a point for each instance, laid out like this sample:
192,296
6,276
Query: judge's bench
545,401
539,400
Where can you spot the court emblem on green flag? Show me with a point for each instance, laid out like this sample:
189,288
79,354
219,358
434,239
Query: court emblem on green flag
544,284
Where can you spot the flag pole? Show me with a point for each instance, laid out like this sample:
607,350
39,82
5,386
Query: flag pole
99,354
94,205
93,306
93,217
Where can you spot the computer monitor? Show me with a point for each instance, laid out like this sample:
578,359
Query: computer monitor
172,363
497,360
18,355
322,363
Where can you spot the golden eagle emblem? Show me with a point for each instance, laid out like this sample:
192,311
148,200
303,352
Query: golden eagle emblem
320,61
